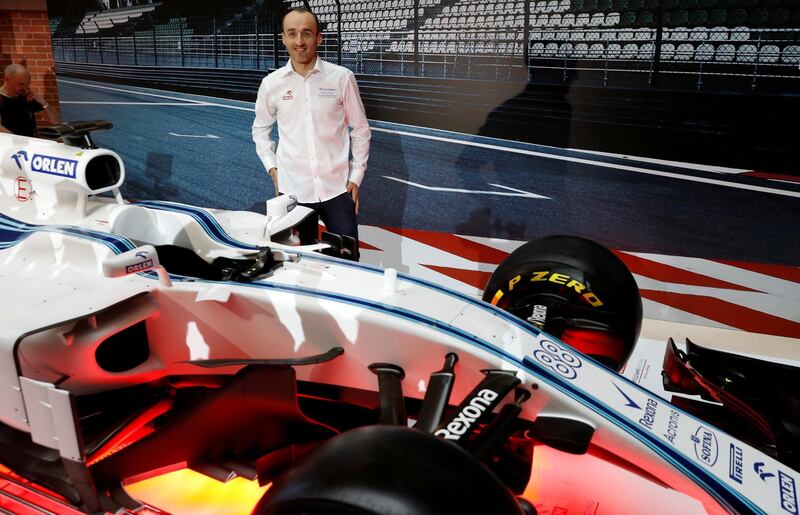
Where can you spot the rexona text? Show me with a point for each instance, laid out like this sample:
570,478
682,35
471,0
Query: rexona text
468,415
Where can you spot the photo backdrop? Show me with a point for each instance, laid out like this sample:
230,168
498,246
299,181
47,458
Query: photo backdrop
664,129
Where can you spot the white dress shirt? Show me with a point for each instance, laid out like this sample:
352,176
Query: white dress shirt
313,115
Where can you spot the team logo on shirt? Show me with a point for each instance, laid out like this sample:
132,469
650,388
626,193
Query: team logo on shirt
289,95
327,92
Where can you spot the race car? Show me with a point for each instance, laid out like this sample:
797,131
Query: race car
141,337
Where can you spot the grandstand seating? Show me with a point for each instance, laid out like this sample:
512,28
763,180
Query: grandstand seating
94,21
691,31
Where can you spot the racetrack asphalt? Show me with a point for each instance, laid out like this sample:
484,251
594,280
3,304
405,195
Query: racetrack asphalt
198,150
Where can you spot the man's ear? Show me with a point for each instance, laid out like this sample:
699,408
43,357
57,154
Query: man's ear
319,38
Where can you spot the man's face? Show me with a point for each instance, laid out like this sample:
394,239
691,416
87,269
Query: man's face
18,84
301,37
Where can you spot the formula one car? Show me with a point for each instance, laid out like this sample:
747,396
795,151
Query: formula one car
138,337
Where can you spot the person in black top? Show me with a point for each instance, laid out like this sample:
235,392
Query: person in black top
19,103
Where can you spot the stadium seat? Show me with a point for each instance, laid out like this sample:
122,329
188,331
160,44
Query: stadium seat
630,51
678,18
625,35
698,34
717,17
718,34
667,51
740,34
595,51
645,19
551,50
747,53
609,35
628,19
580,50
736,17
581,20
597,20
646,51
565,50
791,54
684,52
679,34
698,17
769,54
613,51
537,49
568,20
612,19
704,52
644,35
726,53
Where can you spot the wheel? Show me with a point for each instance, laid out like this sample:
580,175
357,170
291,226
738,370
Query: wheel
382,469
575,289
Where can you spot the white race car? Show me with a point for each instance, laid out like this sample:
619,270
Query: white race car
138,337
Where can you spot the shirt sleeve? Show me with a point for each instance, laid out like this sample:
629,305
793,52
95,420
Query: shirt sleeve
262,128
356,119
35,106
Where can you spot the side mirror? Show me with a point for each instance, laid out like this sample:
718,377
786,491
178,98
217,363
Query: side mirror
140,259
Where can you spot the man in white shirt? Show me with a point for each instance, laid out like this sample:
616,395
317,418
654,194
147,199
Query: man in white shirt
314,103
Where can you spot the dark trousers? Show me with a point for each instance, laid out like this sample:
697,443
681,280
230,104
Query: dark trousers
338,214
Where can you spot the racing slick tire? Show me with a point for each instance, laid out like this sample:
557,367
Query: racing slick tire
383,469
575,289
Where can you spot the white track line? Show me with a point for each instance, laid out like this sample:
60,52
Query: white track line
516,192
674,164
635,169
186,104
168,97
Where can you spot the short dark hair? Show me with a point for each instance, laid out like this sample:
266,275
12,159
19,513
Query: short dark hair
300,10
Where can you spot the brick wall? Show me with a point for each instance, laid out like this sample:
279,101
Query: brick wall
25,40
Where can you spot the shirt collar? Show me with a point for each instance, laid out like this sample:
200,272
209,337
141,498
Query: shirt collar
319,66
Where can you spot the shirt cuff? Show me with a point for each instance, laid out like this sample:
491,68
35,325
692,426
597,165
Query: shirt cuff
356,176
